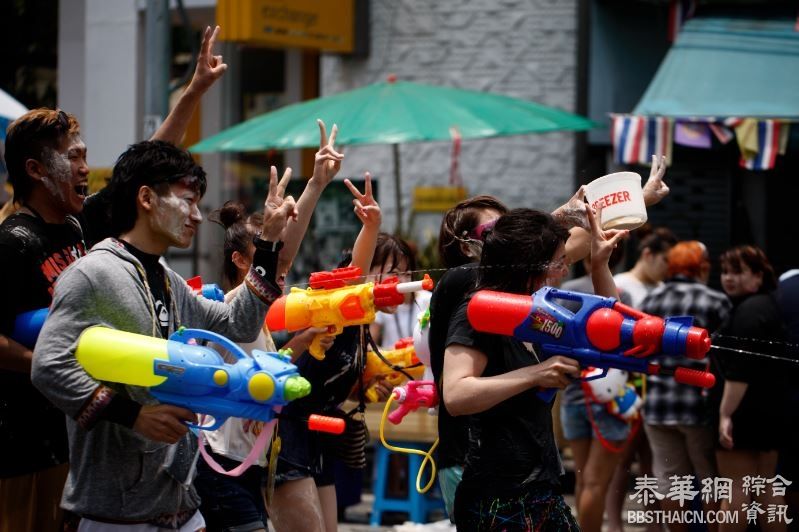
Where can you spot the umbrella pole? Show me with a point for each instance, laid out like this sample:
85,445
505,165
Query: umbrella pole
397,189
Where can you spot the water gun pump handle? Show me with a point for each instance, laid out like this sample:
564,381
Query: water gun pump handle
331,425
184,335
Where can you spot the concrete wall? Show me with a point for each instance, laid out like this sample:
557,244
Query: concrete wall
522,48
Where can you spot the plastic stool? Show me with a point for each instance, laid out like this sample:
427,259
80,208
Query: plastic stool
416,505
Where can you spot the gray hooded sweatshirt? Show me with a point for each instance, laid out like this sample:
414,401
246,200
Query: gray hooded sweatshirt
116,473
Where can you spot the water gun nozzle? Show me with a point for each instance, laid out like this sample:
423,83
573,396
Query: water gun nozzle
697,343
295,388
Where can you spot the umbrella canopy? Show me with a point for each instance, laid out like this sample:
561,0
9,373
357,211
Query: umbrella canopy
394,112
10,110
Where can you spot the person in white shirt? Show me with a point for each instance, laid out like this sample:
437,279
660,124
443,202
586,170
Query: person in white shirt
394,257
651,267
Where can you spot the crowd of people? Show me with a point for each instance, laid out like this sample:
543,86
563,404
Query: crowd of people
89,455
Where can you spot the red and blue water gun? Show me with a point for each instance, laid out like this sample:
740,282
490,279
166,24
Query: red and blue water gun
603,333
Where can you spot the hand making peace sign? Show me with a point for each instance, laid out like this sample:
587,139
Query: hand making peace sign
366,208
655,189
277,209
327,161
209,67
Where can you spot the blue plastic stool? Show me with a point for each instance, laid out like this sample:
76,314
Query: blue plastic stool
417,506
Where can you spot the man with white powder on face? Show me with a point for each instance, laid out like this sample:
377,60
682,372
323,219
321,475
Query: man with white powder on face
131,458
56,224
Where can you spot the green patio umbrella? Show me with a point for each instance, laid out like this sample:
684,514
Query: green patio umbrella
394,112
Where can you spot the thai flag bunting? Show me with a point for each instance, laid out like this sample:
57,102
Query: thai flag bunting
637,138
768,146
723,133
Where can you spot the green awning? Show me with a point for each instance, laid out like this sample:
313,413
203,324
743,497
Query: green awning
722,67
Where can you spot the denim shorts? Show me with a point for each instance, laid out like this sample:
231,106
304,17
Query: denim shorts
577,426
233,504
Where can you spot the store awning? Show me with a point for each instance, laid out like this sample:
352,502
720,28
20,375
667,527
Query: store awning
728,67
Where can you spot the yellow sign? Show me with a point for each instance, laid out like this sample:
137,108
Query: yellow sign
99,178
319,24
437,199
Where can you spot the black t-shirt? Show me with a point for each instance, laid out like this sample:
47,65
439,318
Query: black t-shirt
788,301
449,293
759,420
511,445
33,254
156,279
331,378
95,218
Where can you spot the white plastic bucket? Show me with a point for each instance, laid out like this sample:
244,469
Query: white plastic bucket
621,199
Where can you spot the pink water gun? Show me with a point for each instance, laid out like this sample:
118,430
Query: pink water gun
411,397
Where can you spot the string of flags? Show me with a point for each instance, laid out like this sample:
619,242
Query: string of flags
636,138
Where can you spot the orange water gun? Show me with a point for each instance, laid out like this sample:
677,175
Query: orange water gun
331,303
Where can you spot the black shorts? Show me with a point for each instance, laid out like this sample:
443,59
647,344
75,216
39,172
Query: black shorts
303,454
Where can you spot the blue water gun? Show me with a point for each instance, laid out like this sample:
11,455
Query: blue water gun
181,372
208,291
28,324
603,333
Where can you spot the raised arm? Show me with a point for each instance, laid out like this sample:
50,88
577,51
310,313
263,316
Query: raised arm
241,318
602,245
209,69
572,216
368,212
655,188
327,163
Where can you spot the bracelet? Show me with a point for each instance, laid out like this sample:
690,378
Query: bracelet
267,245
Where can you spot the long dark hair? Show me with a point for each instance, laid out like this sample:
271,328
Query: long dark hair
518,250
240,228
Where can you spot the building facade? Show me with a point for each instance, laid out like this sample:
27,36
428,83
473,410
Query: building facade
521,48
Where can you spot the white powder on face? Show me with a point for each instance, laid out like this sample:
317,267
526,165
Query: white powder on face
171,214
59,173
58,166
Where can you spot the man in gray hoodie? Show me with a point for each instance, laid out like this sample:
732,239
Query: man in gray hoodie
131,459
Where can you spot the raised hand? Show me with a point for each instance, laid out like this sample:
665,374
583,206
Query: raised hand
209,67
655,188
277,208
602,242
366,208
327,161
572,213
